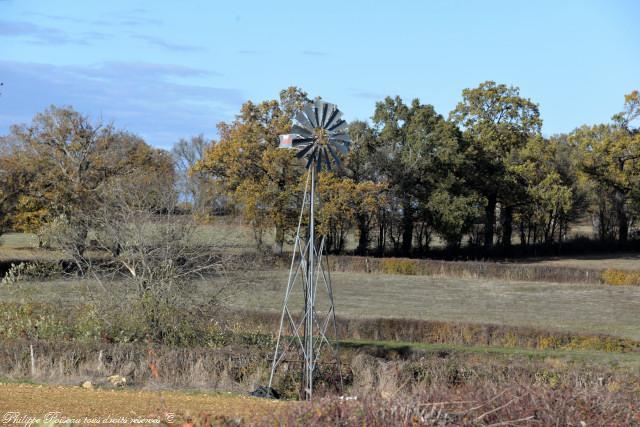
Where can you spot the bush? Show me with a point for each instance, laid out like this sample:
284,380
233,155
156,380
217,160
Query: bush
621,277
399,266
30,271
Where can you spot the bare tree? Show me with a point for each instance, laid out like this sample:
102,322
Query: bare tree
193,186
156,254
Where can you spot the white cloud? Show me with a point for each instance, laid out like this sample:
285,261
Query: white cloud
155,100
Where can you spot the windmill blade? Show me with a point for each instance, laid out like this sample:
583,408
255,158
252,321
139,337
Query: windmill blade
304,121
325,110
300,154
317,107
316,114
298,141
338,126
300,130
326,158
308,111
318,160
310,159
334,155
331,108
333,117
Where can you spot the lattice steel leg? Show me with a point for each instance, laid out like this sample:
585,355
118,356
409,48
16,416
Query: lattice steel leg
306,259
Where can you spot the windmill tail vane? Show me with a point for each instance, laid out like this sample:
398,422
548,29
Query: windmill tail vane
318,136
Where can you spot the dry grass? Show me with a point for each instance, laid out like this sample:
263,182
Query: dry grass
482,406
24,247
590,309
622,261
18,240
564,307
388,386
467,269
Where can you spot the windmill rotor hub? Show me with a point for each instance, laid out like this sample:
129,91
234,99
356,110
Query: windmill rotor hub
318,134
322,136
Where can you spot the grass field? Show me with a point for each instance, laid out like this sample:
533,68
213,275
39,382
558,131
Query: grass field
629,362
622,261
566,307
577,308
77,403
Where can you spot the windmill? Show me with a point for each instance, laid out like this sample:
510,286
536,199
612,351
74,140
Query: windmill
318,136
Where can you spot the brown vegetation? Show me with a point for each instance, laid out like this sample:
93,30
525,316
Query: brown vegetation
473,269
621,277
390,389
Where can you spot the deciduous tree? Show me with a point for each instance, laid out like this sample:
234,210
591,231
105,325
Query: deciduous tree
498,122
611,157
260,178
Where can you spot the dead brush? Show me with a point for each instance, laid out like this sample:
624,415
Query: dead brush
467,269
480,405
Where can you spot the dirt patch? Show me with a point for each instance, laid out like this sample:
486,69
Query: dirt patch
76,403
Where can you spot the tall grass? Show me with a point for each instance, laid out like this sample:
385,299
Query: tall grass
467,269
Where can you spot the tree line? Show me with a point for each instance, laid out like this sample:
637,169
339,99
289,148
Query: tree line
483,176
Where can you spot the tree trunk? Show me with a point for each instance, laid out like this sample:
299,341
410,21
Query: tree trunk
490,219
507,225
601,225
407,226
363,235
623,221
279,239
81,238
382,237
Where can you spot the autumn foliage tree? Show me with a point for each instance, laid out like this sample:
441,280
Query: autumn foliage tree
64,159
259,178
19,210
611,158
412,180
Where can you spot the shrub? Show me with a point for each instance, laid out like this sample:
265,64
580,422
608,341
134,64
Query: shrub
621,277
548,343
399,266
549,378
29,271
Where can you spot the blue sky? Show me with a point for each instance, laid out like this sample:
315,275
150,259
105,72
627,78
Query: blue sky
167,69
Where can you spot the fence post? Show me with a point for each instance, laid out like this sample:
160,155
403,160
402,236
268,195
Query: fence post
33,361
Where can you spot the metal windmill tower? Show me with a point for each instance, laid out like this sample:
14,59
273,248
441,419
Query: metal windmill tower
318,135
